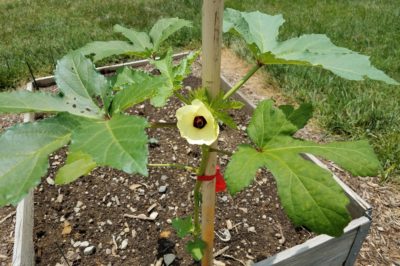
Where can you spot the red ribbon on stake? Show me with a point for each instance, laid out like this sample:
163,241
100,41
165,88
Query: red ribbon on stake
220,184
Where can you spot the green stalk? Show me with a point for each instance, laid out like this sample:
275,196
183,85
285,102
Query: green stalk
205,152
175,165
196,219
240,83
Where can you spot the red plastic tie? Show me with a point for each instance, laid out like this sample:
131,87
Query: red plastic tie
220,184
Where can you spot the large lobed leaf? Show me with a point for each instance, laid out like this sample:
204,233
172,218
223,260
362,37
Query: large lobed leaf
260,31
25,101
120,142
141,44
141,40
103,49
308,193
164,28
24,154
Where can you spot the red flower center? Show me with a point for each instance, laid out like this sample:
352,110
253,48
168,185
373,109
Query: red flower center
199,122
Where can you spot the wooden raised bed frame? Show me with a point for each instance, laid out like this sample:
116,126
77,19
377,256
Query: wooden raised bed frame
320,250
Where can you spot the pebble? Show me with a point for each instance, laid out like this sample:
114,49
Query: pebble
229,224
164,177
162,189
77,244
89,250
124,244
84,244
153,215
108,251
60,198
224,198
169,221
264,216
169,258
243,210
134,233
50,181
251,229
79,204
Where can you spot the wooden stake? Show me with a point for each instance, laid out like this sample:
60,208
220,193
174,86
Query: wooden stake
212,18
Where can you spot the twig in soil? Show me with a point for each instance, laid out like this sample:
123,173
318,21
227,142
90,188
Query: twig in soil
140,217
62,253
8,216
221,251
3,257
233,258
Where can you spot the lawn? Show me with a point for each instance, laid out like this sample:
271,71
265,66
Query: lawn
40,32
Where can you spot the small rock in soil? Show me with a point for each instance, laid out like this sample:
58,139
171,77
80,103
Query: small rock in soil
108,251
169,258
162,189
164,177
229,224
84,244
89,250
79,204
124,244
251,229
224,198
50,181
77,244
153,215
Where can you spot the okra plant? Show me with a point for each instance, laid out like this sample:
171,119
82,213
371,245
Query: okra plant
88,114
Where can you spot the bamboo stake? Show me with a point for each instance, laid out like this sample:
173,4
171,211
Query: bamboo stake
212,16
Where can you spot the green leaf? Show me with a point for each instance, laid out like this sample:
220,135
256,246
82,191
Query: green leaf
141,40
76,76
183,69
183,226
79,81
103,49
78,164
300,116
357,157
120,142
268,122
141,88
165,66
309,194
165,28
24,154
196,248
260,32
25,101
242,168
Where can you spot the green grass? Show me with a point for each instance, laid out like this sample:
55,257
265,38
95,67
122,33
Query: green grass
352,109
42,31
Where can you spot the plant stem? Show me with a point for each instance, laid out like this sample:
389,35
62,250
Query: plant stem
181,98
196,219
162,125
175,165
240,83
205,153
221,151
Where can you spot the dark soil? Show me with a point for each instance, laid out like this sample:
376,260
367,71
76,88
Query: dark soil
260,227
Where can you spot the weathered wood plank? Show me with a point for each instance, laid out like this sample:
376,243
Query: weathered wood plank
321,250
23,253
